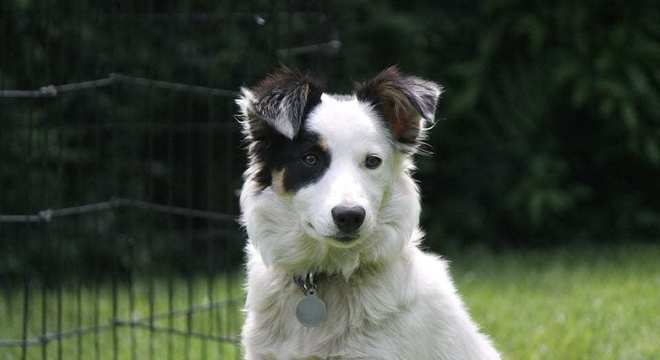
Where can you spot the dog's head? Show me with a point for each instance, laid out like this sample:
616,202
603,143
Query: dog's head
328,175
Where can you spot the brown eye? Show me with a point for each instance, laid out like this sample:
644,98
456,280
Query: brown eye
310,159
372,161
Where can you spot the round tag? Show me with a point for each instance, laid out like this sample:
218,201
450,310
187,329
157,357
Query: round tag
311,311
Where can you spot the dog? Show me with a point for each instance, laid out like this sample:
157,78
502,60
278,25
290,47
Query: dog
334,266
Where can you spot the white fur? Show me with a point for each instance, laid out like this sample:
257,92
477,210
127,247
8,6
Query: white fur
386,299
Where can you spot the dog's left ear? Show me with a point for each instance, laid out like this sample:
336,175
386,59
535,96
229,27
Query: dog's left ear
279,102
403,101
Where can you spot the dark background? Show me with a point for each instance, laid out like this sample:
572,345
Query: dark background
548,132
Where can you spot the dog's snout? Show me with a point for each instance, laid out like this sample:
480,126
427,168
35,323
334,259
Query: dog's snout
348,218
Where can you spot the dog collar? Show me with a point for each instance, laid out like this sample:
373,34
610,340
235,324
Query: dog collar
311,310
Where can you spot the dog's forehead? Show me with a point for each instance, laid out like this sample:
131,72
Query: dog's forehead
344,120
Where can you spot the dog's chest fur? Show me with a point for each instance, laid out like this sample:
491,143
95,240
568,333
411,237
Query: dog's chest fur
407,310
363,313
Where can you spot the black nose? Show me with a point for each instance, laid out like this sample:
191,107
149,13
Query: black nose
348,218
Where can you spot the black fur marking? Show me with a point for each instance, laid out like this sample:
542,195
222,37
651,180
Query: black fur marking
287,155
274,127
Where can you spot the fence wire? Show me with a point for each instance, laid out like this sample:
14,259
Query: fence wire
115,203
47,314
112,79
118,231
145,322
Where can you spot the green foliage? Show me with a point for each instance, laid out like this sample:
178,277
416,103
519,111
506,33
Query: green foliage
551,128
548,131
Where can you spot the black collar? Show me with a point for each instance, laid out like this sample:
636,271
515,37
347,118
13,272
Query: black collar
309,282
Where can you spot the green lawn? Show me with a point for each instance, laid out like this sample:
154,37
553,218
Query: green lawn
567,304
580,303
174,333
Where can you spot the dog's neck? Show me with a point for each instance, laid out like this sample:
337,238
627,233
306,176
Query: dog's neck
308,281
315,278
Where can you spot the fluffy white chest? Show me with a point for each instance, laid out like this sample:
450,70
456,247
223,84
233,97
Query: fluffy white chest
390,312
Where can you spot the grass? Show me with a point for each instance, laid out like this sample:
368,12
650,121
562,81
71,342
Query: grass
572,303
566,304
183,334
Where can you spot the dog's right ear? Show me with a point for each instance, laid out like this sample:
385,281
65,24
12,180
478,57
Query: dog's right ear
280,102
405,103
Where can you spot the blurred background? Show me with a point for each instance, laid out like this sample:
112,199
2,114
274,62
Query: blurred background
120,162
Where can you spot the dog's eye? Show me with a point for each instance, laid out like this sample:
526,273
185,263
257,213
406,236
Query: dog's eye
310,159
372,161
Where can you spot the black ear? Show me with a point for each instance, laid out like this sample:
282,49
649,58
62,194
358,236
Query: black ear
403,101
280,101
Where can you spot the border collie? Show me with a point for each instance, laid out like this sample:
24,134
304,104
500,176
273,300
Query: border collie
334,266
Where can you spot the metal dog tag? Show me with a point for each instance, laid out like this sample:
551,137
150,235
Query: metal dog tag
311,310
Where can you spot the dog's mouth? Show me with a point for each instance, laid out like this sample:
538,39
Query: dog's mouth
338,238
345,237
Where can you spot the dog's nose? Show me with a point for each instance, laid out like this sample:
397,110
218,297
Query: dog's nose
348,218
